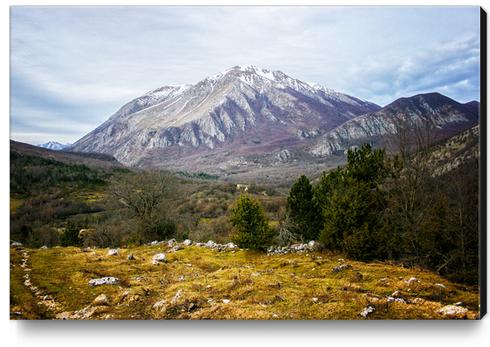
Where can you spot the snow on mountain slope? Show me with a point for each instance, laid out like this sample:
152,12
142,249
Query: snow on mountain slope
53,145
244,109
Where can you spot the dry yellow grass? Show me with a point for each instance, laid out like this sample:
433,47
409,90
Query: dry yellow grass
226,285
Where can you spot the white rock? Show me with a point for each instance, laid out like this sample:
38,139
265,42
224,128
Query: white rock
366,311
187,242
113,251
175,248
103,280
211,244
412,280
159,304
44,247
101,300
226,301
452,311
177,296
171,242
16,244
159,258
440,286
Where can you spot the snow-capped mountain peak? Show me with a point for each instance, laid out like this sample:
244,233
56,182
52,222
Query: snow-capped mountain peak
242,102
55,146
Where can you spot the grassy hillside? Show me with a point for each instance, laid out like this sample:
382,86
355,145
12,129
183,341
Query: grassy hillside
200,283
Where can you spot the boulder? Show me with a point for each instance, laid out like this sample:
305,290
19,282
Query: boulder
452,311
44,247
113,251
187,242
159,258
16,244
171,242
341,268
101,300
104,280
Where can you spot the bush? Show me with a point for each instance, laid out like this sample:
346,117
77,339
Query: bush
252,229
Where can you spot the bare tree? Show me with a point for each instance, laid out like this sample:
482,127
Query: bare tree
148,196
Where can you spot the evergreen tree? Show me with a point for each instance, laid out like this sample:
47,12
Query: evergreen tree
252,229
303,212
352,203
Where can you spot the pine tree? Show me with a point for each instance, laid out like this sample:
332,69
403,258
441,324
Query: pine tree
252,229
303,212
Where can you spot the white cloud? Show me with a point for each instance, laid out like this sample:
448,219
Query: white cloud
84,63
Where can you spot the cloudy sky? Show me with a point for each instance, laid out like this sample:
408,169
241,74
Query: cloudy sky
71,68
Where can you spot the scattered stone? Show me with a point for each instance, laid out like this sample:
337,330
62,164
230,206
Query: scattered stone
130,256
396,294
211,244
314,300
44,247
101,300
175,248
226,301
181,278
452,311
412,280
366,311
341,268
159,258
418,301
177,296
459,303
102,281
392,299
86,249
16,244
171,242
230,245
113,251
159,305
187,242
440,286
295,248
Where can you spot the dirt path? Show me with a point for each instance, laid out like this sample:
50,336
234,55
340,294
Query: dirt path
44,299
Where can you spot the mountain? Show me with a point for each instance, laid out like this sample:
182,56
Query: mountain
245,110
93,160
53,145
434,113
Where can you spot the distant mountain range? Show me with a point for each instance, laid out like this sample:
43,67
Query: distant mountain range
247,117
55,146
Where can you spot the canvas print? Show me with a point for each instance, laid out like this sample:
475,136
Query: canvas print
272,163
